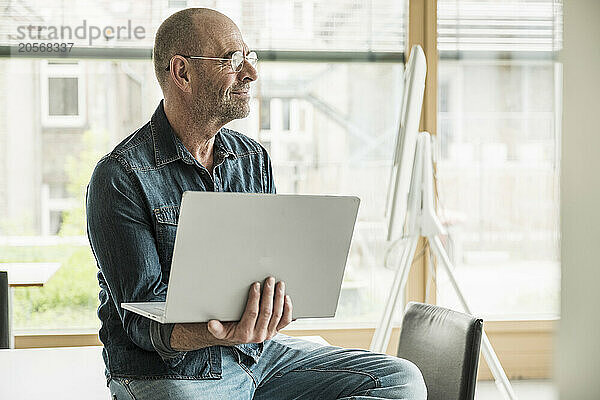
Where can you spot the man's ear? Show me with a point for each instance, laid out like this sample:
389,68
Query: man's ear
179,71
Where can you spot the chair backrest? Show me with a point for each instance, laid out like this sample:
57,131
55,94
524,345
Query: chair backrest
445,345
4,328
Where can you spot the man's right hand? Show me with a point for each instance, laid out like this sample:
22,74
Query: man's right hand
263,317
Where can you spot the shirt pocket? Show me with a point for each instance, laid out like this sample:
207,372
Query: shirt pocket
167,218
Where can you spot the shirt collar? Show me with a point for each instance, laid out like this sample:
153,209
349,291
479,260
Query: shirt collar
168,147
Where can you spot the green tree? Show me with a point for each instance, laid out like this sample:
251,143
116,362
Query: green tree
79,169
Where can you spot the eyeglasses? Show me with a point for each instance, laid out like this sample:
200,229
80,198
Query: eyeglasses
236,60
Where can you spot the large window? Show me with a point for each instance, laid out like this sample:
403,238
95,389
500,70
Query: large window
329,127
498,153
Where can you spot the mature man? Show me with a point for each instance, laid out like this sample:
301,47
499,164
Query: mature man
204,69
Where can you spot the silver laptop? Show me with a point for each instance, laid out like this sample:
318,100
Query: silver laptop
227,241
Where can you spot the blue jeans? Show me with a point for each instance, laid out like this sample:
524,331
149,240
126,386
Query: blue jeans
290,368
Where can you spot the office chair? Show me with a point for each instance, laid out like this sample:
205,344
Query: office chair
444,344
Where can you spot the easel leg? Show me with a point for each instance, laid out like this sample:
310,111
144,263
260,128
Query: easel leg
381,338
488,352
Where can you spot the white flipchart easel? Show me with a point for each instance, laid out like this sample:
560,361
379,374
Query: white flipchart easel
422,220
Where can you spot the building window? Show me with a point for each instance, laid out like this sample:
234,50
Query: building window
62,94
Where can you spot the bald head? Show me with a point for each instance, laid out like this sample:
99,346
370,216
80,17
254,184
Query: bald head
188,32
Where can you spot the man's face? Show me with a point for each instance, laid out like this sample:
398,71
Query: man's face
220,92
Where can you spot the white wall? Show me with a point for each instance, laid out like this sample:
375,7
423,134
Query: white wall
578,352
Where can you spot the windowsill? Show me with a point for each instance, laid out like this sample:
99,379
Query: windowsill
327,324
51,332
500,324
294,326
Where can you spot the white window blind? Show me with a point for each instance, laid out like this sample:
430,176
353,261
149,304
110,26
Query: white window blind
342,25
499,26
334,25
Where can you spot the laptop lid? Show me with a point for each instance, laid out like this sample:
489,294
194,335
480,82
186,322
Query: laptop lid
227,241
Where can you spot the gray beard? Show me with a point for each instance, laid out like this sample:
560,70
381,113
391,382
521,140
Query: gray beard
231,108
226,110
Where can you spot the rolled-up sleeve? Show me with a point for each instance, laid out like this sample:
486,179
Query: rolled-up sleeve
121,235
160,334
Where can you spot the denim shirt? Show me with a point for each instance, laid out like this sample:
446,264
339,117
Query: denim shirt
132,206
